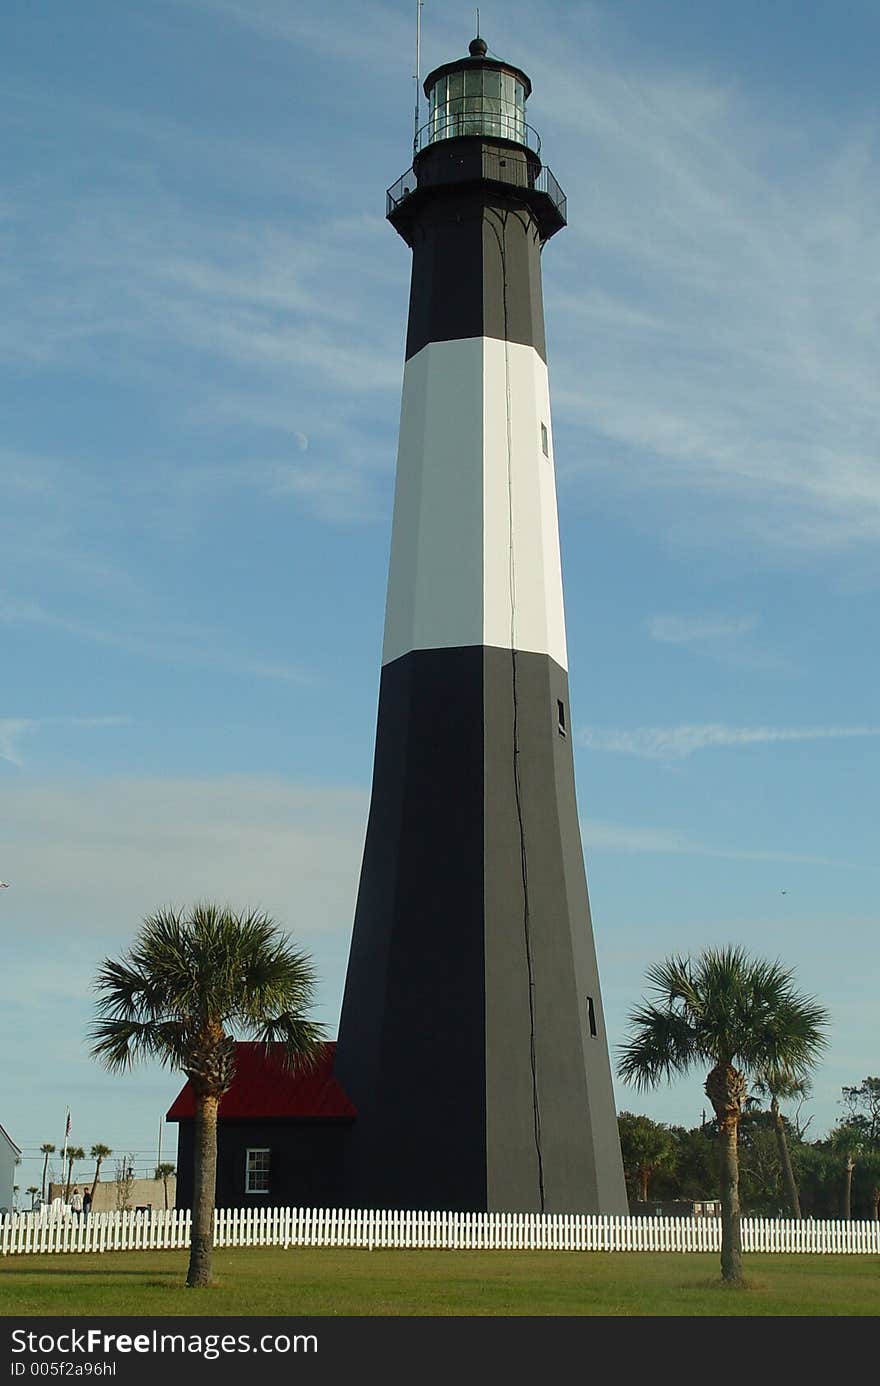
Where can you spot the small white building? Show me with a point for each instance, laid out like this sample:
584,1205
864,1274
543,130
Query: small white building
10,1155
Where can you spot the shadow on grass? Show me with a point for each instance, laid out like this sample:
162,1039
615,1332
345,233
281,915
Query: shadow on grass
725,1287
77,1273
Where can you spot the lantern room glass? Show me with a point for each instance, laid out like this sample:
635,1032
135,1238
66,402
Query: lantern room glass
478,101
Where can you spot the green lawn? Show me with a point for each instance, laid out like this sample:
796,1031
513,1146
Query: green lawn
316,1281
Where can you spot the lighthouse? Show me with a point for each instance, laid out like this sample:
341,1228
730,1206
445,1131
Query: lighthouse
472,1039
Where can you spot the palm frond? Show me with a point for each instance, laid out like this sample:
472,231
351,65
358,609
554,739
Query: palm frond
779,1083
191,977
661,1045
302,1040
723,1007
672,979
119,1043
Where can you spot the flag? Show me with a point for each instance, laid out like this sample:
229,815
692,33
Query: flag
67,1127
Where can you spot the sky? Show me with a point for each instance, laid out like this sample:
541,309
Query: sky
202,348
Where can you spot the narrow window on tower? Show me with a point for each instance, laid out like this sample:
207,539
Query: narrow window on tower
591,1016
560,716
545,440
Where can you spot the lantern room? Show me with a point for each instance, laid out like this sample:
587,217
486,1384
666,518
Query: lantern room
478,95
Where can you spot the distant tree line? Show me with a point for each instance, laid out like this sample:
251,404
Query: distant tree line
835,1177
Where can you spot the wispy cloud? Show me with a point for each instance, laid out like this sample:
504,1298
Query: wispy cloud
257,295
339,485
600,836
727,640
340,493
198,646
711,327
295,332
13,729
115,848
689,630
378,46
730,351
674,743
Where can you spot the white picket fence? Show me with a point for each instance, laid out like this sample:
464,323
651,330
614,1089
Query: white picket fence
291,1227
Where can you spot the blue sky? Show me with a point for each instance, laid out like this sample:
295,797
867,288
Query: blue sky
202,347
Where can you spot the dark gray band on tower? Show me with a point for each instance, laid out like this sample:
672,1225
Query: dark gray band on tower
465,1037
476,273
411,1050
476,225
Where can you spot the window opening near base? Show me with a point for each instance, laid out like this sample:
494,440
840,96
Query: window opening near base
560,716
591,1016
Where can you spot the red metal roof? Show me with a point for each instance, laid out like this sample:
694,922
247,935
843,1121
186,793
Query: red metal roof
263,1087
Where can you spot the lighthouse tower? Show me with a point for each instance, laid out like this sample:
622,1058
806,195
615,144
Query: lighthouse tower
472,1040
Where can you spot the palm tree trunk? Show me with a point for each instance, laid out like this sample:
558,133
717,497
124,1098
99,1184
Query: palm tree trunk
726,1089
643,1178
43,1188
97,1177
731,1232
791,1187
204,1189
847,1189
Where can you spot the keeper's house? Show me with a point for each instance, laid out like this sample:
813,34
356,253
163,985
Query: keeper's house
10,1156
281,1138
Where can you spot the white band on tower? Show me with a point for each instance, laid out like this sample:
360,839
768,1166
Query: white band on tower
475,540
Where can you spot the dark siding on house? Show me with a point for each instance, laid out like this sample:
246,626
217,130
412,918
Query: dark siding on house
305,1169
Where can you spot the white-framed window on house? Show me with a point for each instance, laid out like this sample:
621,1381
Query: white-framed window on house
256,1169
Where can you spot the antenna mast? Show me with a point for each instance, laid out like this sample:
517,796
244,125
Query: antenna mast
417,73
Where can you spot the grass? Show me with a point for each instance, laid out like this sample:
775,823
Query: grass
256,1281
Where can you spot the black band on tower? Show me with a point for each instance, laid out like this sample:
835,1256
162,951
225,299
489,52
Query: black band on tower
476,251
438,1041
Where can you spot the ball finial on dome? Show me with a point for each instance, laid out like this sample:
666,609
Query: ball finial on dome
478,48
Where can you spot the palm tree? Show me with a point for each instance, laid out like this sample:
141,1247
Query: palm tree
187,982
99,1154
847,1145
33,1191
871,1166
740,1015
779,1085
74,1152
646,1147
47,1149
164,1172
